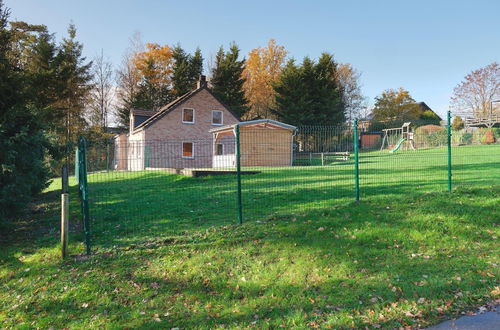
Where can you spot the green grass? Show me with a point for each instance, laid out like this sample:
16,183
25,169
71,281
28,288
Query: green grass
168,252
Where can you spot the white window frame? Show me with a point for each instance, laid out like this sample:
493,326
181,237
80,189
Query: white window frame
221,118
215,147
192,150
194,115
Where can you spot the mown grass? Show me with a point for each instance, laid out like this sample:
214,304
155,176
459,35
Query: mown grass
168,251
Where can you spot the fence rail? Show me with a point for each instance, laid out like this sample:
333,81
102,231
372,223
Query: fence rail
138,190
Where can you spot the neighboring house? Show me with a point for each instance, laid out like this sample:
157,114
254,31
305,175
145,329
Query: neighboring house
176,136
426,113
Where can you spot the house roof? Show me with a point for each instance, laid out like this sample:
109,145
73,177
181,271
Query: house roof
143,112
423,106
266,122
166,109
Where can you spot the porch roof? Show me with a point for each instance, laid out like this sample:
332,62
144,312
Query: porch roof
261,123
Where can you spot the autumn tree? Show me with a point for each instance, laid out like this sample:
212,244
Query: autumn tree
154,67
309,94
457,123
262,69
348,79
474,95
187,69
395,105
227,79
101,98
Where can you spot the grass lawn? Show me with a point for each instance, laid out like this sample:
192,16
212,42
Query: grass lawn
168,251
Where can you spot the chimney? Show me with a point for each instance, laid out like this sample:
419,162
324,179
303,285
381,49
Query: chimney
202,82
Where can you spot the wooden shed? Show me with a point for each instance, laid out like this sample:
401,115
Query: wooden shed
263,142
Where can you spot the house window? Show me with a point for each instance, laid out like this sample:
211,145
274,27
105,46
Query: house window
187,150
188,116
217,117
219,149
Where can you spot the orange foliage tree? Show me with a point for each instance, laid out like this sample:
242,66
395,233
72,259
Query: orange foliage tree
155,67
262,68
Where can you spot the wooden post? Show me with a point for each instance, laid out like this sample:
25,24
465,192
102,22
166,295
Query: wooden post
322,159
64,224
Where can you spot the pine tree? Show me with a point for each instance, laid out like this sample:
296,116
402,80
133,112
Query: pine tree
196,66
291,99
23,145
309,94
73,88
227,79
186,70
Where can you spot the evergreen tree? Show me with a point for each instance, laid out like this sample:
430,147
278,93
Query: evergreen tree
196,66
227,79
23,145
154,68
187,70
291,99
73,88
180,74
309,94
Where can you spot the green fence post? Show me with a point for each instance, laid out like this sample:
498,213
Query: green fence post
82,157
107,155
77,166
356,160
238,172
449,151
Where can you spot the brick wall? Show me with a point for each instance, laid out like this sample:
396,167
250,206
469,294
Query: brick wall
164,137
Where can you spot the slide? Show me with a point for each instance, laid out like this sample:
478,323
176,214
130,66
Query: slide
400,142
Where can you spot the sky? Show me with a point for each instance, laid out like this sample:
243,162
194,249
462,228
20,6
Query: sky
427,47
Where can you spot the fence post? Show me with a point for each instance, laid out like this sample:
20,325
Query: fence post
238,172
82,158
77,164
356,160
64,212
449,151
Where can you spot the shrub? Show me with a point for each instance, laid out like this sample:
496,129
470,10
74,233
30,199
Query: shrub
457,123
477,135
467,138
488,137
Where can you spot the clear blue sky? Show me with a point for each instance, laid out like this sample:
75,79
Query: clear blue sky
424,46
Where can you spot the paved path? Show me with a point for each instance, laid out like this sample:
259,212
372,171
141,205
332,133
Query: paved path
489,320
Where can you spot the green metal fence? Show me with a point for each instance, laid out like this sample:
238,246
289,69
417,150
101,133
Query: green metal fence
144,191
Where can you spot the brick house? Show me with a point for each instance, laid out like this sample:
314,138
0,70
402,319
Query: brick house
176,136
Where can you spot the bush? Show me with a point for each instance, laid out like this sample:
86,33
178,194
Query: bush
23,149
467,138
488,138
477,135
457,123
496,133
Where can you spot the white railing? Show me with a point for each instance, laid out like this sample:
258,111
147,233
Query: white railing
219,161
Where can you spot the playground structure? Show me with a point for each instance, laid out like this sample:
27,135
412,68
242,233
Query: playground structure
405,138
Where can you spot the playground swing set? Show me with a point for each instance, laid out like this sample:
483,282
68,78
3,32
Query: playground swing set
405,141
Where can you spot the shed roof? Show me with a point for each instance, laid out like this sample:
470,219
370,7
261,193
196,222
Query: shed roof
264,123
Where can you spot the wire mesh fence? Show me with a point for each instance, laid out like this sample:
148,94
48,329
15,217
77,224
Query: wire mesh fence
161,189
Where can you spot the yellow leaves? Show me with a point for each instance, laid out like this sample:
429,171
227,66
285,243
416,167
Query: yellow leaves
262,68
155,64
